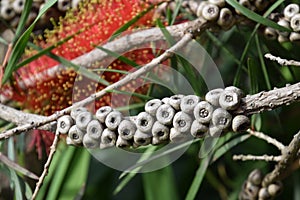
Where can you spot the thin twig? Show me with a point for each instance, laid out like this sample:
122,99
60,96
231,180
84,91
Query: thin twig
289,155
282,61
197,27
267,138
266,158
46,166
18,117
17,167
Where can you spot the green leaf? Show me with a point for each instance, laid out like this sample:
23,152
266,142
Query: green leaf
76,176
16,184
23,19
160,185
254,32
253,71
130,173
262,63
119,56
176,11
58,175
28,191
256,17
198,178
171,41
21,43
132,21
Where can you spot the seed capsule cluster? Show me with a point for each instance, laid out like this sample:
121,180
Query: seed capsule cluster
290,18
11,10
218,11
172,119
252,188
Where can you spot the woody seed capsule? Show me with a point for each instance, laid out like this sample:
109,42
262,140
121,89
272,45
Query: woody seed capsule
212,96
160,131
182,122
89,142
94,129
199,130
83,119
102,112
121,143
152,106
165,114
188,103
108,138
295,22
126,129
240,123
221,118
175,101
144,122
142,139
77,111
229,100
76,135
64,123
203,112
291,10
113,119
210,12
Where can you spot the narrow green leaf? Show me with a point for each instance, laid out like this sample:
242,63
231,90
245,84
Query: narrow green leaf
61,154
160,185
176,11
131,22
253,71
3,41
165,32
84,71
16,184
21,43
119,56
246,49
262,63
42,52
76,176
198,178
130,173
28,191
23,19
13,175
58,176
219,43
256,17
225,148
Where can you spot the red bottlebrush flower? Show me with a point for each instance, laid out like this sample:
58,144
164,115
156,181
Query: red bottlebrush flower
94,21
92,24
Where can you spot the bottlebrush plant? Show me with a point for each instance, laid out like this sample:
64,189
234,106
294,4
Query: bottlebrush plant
39,88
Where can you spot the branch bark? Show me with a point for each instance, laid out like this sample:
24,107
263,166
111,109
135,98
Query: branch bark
289,155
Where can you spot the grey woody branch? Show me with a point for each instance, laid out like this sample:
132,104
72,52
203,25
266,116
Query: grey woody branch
289,155
269,100
18,117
